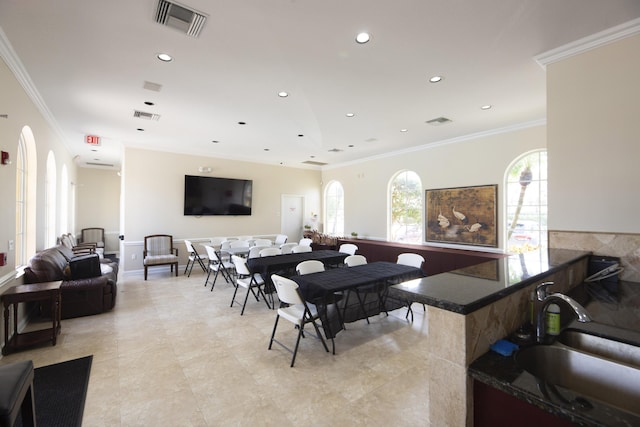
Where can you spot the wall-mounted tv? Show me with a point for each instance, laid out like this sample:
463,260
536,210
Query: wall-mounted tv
205,195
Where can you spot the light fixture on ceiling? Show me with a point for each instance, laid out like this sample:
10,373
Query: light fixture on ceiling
486,107
404,130
436,79
363,38
283,94
164,57
350,114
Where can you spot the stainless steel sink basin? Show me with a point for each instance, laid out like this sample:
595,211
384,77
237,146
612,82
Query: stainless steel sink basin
589,376
599,346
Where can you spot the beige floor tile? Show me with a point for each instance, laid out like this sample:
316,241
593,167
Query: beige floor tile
172,352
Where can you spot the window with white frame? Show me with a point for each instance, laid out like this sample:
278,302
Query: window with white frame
406,208
334,209
50,201
21,203
526,203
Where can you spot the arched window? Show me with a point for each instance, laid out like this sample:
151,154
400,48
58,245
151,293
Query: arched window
334,209
405,195
26,167
50,201
526,203
64,201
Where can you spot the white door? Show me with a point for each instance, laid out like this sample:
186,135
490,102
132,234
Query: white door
292,217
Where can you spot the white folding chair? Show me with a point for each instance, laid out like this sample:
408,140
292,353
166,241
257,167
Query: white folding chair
194,257
270,251
348,248
310,266
412,260
305,242
286,248
262,242
296,310
219,266
281,239
300,248
251,282
254,251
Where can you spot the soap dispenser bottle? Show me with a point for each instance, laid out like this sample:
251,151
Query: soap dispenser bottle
553,319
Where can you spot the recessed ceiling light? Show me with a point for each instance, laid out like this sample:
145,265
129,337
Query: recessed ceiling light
266,149
350,114
351,145
486,107
164,57
363,38
436,79
242,123
404,130
148,103
215,141
140,130
283,94
300,135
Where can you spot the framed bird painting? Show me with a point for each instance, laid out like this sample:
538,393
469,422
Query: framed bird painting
462,215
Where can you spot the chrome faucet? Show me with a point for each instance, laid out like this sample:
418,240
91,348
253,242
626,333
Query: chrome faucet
546,299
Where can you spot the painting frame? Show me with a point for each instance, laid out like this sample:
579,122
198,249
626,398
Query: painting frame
462,215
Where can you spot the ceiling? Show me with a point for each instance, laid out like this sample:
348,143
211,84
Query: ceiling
86,63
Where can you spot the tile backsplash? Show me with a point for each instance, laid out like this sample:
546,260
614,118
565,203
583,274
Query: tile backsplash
626,246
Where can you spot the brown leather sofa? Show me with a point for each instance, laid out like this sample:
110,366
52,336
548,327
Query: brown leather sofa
80,296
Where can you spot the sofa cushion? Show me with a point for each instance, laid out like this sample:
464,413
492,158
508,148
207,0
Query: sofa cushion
83,266
45,266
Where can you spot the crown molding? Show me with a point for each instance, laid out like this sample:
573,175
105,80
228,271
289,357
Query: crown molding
12,60
432,145
613,34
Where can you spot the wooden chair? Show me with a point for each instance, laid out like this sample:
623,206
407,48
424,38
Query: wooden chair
93,235
159,250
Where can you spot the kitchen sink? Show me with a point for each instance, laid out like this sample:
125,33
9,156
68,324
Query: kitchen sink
589,376
600,346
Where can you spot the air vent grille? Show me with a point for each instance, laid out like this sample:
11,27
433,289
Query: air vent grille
99,164
335,150
314,163
438,121
182,18
146,116
156,87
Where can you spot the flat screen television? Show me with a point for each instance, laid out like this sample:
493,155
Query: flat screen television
205,195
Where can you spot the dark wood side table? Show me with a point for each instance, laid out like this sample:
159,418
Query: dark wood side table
28,293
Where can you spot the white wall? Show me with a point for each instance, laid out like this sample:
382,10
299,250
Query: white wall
594,139
98,204
21,112
153,191
479,161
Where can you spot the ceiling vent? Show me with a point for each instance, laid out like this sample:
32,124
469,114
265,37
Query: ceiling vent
99,164
438,121
314,163
335,150
146,116
156,87
181,18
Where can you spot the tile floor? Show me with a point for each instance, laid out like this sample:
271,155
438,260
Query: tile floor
172,353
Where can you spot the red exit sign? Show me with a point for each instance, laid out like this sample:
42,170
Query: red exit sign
93,140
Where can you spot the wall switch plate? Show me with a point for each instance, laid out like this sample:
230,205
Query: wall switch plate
10,245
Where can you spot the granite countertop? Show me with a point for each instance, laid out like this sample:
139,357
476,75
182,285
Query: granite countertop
618,307
468,289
